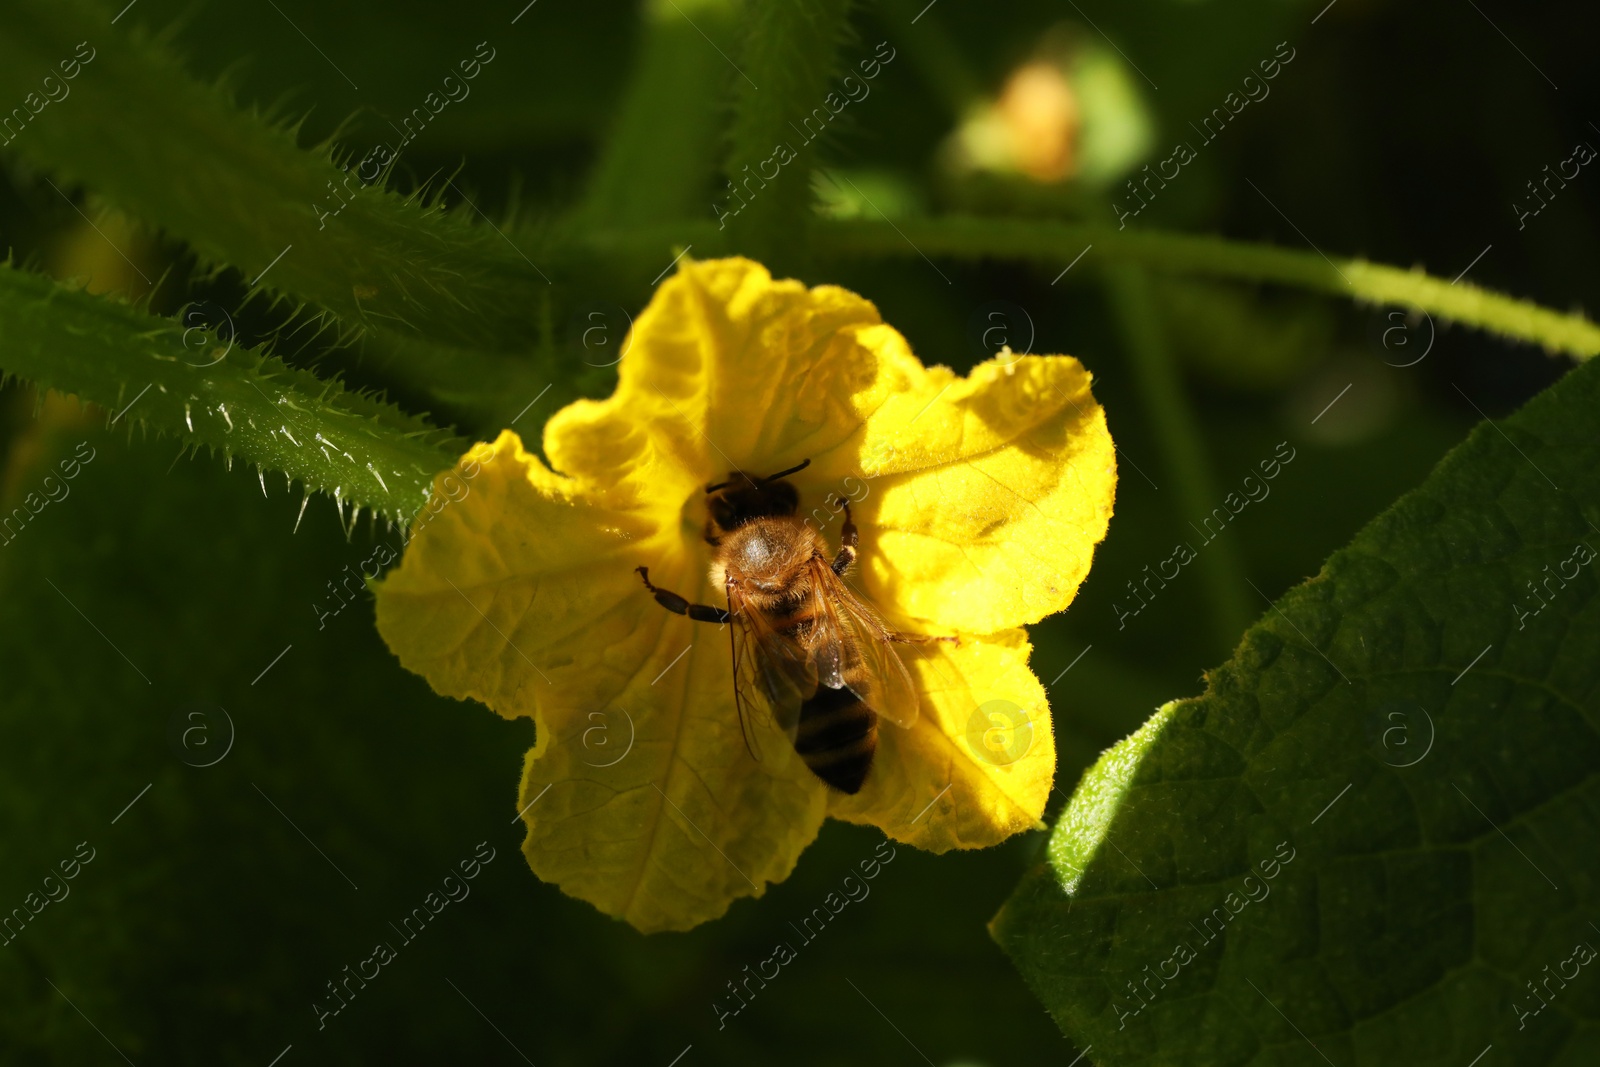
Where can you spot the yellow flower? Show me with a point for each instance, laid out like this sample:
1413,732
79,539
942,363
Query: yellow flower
979,502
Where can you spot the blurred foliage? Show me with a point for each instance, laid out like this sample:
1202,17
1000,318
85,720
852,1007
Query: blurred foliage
595,145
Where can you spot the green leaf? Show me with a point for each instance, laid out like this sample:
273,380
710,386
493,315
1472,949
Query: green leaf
1368,836
198,387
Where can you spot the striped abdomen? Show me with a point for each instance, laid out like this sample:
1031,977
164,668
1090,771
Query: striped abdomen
836,733
837,738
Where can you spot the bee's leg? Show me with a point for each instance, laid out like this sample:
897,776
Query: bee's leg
675,603
920,639
849,538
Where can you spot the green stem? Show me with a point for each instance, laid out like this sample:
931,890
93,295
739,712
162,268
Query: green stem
1178,435
138,131
188,384
1056,244
789,51
658,160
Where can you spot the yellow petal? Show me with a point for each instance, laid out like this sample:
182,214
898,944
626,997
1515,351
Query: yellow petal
978,764
684,821
503,575
987,493
725,368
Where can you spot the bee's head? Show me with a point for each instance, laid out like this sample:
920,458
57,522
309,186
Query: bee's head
734,502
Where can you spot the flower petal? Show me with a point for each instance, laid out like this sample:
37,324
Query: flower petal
726,367
521,593
987,494
500,583
685,821
978,764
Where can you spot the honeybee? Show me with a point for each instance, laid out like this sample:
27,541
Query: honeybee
803,644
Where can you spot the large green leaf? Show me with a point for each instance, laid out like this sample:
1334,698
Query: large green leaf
1368,837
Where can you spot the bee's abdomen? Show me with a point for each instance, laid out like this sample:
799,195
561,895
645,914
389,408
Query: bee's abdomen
791,616
837,737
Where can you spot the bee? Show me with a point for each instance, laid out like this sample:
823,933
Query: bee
803,644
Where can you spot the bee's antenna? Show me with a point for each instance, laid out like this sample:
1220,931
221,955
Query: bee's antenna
802,465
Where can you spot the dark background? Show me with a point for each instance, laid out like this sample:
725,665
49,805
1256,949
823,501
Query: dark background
207,923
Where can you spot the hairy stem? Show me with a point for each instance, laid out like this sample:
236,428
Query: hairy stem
195,386
139,132
789,51
670,121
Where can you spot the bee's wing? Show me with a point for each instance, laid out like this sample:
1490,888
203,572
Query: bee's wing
768,668
851,629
